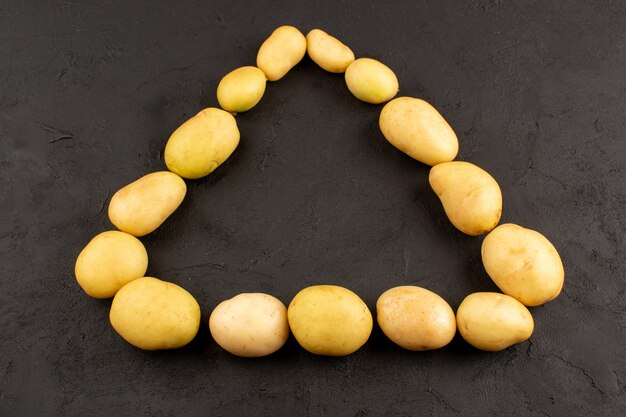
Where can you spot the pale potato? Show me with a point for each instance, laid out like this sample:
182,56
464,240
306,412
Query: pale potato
109,261
281,52
328,52
241,89
417,129
470,196
329,320
371,81
523,264
152,314
202,143
250,325
143,205
415,318
491,321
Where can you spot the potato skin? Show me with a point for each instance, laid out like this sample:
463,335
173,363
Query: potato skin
329,320
415,318
202,143
417,129
491,321
241,89
328,52
143,205
371,81
109,261
523,264
281,52
470,196
250,325
152,314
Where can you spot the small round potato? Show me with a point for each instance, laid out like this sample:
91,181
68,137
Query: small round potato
328,52
142,206
415,318
329,320
470,196
109,261
417,129
152,314
371,81
491,321
523,264
281,52
241,89
250,325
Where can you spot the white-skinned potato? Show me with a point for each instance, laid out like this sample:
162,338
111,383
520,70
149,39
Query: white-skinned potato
371,81
143,205
523,264
281,52
250,325
417,129
328,52
241,89
491,321
109,261
470,196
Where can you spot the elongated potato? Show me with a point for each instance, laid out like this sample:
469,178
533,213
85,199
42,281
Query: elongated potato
491,321
241,89
142,206
417,129
371,81
470,196
281,52
109,261
523,264
202,143
152,314
415,318
328,52
329,320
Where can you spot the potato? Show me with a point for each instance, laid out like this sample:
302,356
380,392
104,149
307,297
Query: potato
152,314
202,143
329,320
241,89
371,81
281,52
142,206
523,264
328,52
417,129
470,196
415,318
491,321
109,261
250,325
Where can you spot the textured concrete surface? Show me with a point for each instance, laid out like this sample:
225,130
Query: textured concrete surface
91,90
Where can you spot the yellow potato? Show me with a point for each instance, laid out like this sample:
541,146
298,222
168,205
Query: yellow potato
470,196
250,325
152,314
523,264
329,320
281,52
491,321
417,129
415,318
371,81
202,143
241,89
109,261
328,52
143,205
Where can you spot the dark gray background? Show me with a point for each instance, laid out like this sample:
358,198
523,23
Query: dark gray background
91,90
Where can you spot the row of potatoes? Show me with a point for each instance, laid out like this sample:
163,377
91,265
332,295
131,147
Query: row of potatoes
329,320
